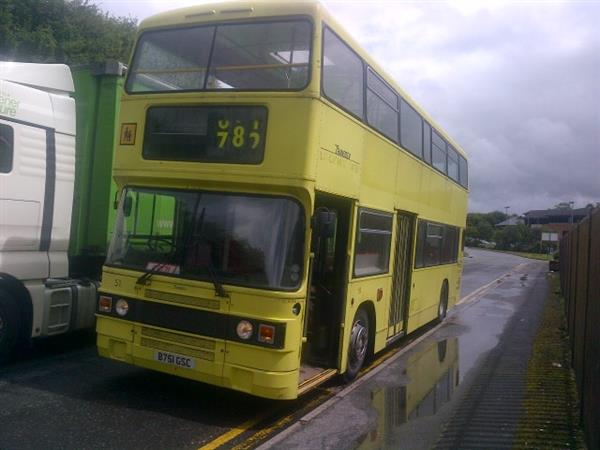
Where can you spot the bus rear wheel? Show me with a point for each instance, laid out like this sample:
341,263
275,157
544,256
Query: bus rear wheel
359,345
443,305
9,325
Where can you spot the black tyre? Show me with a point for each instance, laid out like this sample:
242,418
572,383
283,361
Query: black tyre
9,325
359,344
443,305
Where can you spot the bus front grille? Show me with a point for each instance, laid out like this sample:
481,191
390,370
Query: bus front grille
153,338
182,299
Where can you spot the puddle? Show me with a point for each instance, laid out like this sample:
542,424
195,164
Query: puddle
433,376
412,402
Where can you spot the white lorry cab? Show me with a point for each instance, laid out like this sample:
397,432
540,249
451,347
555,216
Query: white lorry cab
37,174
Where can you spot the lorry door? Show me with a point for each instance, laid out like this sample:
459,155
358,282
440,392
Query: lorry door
22,189
38,132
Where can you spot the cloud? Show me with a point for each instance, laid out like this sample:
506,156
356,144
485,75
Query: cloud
515,83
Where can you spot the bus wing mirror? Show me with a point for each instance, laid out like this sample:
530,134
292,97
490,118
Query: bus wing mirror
326,223
127,206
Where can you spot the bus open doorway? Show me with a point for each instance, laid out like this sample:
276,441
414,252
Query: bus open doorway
328,283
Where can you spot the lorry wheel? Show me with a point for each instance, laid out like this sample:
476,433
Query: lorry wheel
9,325
443,306
359,345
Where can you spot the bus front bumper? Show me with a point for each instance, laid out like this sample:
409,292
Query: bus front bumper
193,358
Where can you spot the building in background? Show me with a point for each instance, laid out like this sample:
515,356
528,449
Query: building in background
557,220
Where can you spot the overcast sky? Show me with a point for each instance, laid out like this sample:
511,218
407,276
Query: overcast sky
516,84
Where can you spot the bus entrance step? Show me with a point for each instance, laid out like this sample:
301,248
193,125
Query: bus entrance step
311,377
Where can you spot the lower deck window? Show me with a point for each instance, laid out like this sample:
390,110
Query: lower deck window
436,244
373,239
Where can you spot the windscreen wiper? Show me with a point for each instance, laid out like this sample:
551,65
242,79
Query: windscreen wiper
219,290
145,277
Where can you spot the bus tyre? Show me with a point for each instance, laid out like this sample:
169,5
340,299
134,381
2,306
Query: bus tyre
9,325
358,347
443,306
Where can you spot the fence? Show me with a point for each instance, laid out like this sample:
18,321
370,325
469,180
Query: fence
580,285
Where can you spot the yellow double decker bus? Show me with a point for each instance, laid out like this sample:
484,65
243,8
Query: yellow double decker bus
286,210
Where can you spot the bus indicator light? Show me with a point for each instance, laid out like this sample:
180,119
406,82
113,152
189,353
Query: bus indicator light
104,304
266,333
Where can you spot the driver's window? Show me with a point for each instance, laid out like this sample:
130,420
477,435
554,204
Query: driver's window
151,215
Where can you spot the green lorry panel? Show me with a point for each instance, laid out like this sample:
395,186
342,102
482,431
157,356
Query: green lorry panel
97,95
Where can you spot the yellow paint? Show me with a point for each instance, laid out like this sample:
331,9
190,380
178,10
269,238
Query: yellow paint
233,433
311,146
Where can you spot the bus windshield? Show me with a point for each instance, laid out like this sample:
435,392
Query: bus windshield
247,240
251,56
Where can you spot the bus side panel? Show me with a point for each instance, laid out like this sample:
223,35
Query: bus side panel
425,297
339,154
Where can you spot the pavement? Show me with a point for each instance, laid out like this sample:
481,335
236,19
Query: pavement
462,386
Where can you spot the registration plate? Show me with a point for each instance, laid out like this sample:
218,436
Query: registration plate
174,359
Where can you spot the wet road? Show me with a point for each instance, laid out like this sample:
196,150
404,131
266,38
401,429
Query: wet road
71,398
483,266
409,403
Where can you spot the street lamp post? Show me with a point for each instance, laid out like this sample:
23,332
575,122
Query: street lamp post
571,207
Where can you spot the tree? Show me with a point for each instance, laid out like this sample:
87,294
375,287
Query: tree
482,225
62,31
518,237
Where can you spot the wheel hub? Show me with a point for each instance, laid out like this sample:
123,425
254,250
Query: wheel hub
359,341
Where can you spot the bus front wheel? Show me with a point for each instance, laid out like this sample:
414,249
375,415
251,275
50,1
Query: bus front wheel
443,305
358,346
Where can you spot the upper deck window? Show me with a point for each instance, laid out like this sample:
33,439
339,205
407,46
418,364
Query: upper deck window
438,152
411,129
382,106
463,171
343,75
452,163
255,56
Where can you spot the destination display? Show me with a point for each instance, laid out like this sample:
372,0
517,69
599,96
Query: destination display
217,134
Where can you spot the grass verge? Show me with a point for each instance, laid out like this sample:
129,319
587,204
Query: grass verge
550,411
539,256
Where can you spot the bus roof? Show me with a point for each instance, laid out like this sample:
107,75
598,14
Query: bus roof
230,10
240,10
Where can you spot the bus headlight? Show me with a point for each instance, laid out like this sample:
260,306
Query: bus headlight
244,329
122,307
